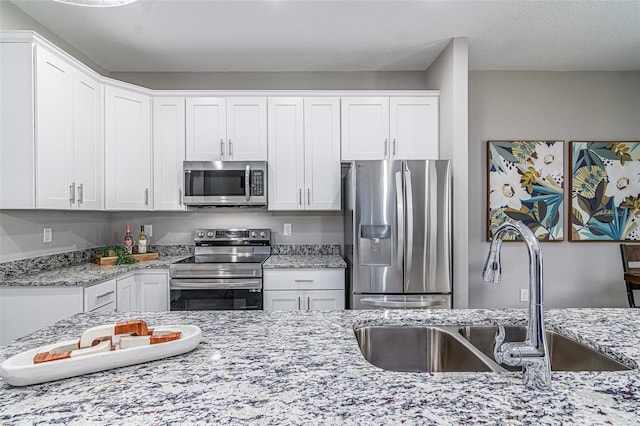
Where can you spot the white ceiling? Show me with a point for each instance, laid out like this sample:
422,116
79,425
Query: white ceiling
364,35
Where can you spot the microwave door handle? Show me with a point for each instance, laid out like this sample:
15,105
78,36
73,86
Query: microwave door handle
247,182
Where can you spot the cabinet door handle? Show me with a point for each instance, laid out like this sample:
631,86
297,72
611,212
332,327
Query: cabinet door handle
105,294
180,196
386,142
308,303
80,193
221,149
72,192
230,150
303,281
146,196
299,196
299,302
394,147
308,196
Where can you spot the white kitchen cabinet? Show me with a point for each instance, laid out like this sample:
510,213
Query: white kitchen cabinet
24,310
413,128
100,297
303,289
168,153
143,292
127,149
55,137
395,128
126,294
304,153
226,129
153,294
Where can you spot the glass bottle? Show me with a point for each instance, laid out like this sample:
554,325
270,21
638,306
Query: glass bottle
128,240
142,240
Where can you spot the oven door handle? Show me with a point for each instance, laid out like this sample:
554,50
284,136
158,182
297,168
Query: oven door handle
177,284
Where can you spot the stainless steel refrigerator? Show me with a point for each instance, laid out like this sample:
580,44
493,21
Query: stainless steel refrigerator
398,233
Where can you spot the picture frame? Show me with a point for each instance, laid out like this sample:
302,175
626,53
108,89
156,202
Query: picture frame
605,191
525,182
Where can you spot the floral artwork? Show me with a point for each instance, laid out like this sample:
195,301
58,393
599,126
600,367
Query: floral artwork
605,191
526,183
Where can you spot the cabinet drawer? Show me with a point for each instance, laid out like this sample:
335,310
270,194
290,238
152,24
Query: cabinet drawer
304,279
109,307
99,295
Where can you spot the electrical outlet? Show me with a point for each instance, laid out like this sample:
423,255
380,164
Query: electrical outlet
524,295
148,229
47,235
287,229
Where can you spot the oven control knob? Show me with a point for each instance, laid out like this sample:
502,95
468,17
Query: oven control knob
210,234
254,234
263,234
201,234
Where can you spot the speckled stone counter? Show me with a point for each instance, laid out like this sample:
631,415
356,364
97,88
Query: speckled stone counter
304,261
304,367
84,274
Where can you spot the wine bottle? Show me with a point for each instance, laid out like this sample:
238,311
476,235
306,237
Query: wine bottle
142,240
128,240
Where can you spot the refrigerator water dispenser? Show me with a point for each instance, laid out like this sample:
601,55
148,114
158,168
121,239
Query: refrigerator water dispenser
375,245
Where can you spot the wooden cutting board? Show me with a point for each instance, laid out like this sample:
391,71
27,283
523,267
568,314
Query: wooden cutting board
111,260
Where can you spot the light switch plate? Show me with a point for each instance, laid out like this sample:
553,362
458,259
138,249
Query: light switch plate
47,235
287,229
524,295
148,229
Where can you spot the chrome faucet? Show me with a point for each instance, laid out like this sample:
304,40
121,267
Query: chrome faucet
532,354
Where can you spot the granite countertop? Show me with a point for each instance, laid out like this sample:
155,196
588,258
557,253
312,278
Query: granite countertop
292,261
304,367
84,274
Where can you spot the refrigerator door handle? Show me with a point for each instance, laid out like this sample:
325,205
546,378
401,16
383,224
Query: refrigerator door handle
399,220
409,233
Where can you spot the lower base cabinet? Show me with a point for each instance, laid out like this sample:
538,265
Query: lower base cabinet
303,289
143,292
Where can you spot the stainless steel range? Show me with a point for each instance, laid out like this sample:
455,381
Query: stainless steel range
225,272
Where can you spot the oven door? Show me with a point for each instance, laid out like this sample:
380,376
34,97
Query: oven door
215,294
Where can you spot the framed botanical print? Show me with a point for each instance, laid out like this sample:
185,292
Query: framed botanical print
525,182
605,191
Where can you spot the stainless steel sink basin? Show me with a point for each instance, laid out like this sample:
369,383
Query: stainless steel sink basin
466,349
425,348
565,354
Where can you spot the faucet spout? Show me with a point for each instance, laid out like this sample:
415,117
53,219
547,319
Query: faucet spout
533,353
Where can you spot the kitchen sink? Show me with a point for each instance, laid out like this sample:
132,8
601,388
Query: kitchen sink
420,348
467,349
565,354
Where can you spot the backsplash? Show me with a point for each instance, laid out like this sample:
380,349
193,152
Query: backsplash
305,249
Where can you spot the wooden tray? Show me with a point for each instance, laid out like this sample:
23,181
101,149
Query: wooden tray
101,260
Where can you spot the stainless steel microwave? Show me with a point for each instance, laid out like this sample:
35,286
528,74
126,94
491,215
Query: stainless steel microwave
225,183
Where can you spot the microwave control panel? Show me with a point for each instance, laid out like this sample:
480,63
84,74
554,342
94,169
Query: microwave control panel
257,183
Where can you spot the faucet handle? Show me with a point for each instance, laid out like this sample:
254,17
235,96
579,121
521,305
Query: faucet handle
498,353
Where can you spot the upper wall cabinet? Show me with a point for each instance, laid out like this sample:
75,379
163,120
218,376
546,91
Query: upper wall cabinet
168,153
52,144
127,149
304,153
226,129
382,128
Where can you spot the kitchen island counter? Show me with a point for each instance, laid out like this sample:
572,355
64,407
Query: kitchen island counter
305,367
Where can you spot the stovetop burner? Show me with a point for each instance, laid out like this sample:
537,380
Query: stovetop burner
225,258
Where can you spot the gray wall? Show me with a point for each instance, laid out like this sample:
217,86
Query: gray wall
21,232
547,106
13,18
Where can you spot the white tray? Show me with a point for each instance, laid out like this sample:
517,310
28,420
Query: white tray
19,370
